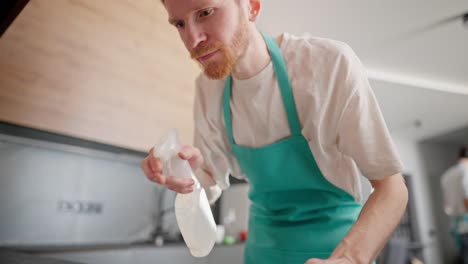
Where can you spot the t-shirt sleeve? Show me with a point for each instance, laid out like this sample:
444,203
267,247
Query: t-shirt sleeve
205,173
362,132
209,138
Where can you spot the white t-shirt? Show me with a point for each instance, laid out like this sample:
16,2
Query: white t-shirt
338,113
454,183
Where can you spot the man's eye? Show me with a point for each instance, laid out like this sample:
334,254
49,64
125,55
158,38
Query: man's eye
205,12
179,24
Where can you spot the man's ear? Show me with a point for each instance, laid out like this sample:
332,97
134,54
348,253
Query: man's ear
254,9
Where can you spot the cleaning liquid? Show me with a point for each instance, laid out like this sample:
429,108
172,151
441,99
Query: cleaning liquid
192,210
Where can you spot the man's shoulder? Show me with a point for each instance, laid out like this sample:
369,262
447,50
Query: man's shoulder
313,44
452,173
203,83
208,92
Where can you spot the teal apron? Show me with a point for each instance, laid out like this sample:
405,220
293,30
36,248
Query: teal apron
295,214
456,232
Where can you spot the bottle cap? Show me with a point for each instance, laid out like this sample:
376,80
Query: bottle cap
229,240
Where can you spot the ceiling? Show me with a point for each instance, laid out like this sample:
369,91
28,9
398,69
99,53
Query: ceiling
419,70
458,137
420,113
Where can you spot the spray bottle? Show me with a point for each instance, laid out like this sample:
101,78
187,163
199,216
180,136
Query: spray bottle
193,212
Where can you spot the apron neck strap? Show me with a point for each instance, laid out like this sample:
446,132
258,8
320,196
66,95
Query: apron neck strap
227,109
285,87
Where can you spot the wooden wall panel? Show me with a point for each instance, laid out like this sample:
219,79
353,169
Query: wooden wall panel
112,71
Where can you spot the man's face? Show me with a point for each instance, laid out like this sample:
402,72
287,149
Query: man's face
213,31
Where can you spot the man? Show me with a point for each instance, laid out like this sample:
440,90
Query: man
454,183
295,117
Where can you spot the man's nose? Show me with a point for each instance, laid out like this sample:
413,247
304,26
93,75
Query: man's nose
195,36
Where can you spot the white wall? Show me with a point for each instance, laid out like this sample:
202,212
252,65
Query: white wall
414,165
235,203
437,158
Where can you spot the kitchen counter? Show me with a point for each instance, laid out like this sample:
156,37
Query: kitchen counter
150,254
13,257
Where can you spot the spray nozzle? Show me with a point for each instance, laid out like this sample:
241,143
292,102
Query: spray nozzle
167,151
168,146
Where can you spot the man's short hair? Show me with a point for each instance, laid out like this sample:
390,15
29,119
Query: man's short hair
463,152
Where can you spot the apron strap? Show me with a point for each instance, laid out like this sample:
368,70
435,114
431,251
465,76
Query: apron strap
227,109
285,87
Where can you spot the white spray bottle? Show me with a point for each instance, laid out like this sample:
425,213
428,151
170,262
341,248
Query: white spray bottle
193,212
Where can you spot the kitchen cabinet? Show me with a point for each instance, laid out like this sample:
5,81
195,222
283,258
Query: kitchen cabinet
111,71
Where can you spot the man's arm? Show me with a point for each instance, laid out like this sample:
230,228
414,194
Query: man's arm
379,217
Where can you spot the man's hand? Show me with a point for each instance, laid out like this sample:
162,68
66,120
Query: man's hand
377,220
152,167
